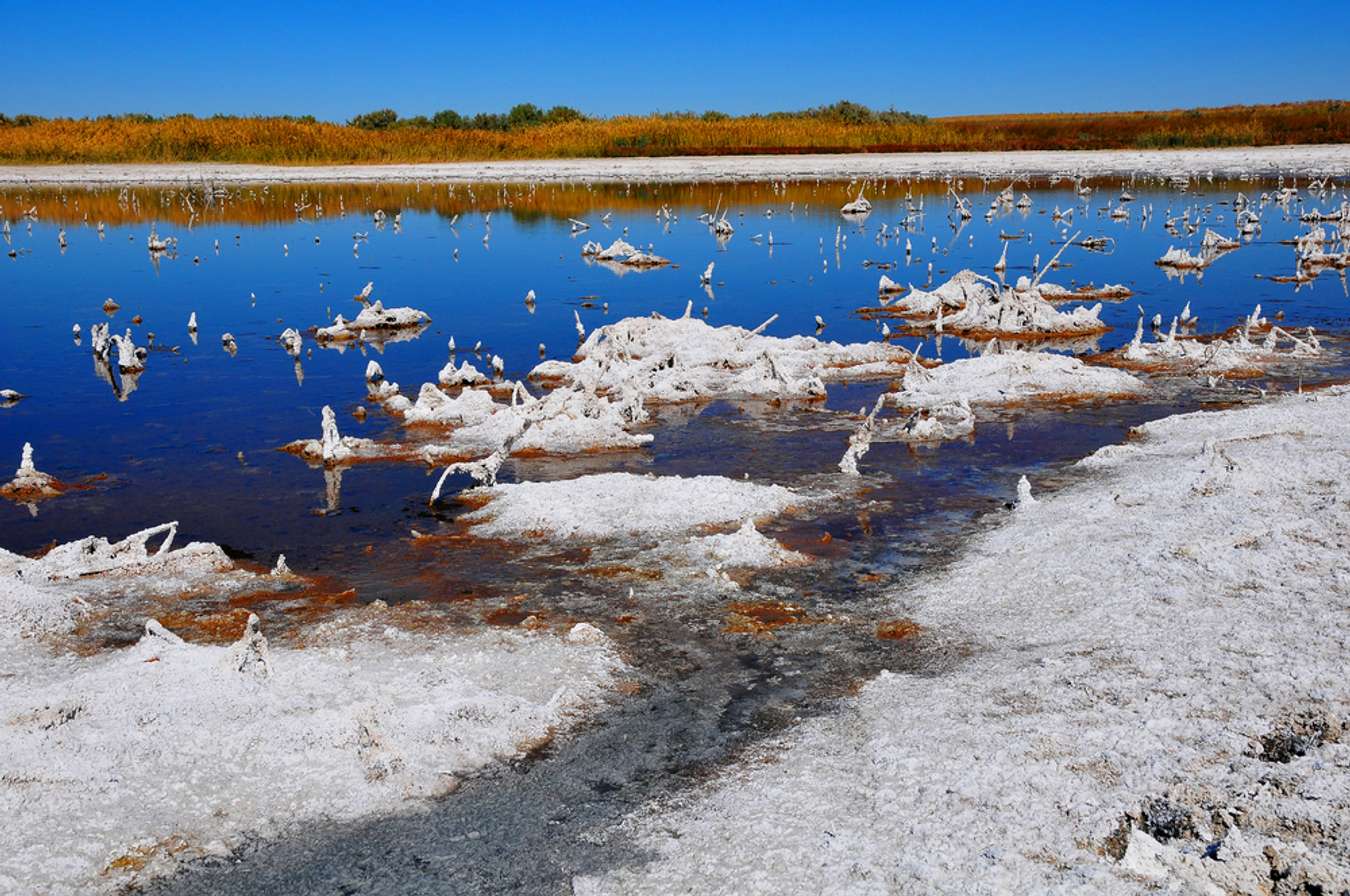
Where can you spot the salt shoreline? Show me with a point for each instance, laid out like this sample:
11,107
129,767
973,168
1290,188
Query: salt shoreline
1155,698
1304,161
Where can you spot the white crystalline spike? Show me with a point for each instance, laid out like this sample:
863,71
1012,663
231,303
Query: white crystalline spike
1186,313
160,634
374,373
250,654
706,277
367,289
498,366
291,341
1024,498
452,345
688,309
75,329
885,330
1157,321
26,468
820,322
581,331
192,321
529,297
280,568
860,441
331,447
129,358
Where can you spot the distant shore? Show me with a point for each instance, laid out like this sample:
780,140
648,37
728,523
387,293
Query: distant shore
1266,161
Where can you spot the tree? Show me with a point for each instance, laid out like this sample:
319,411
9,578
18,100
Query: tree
449,118
562,114
378,120
522,115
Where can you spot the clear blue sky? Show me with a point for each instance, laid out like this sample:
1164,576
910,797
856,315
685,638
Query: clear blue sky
940,57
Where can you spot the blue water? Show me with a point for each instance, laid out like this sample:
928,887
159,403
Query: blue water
170,449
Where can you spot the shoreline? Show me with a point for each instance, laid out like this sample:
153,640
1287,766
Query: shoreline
1165,710
1266,161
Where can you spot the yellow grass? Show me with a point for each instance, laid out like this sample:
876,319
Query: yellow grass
294,141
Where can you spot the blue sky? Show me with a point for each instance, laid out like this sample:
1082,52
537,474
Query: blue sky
939,58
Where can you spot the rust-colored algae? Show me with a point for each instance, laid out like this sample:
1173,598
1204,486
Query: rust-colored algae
898,629
762,617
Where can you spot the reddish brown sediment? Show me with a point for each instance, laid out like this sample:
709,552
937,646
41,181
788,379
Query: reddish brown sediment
620,571
898,629
762,617
50,488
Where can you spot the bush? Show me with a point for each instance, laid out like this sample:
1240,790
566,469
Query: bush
562,115
522,115
449,118
378,120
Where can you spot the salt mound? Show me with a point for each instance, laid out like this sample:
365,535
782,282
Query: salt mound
1006,377
374,319
687,359
349,727
1237,357
746,548
608,505
1021,310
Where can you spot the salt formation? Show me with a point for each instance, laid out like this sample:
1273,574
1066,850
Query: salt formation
859,206
621,252
29,483
334,449
1183,259
938,421
1024,496
1236,357
1312,254
373,321
46,596
686,359
746,548
130,358
350,726
1214,242
1019,310
291,341
609,505
952,295
1053,292
567,420
969,304
1094,741
1000,377
887,286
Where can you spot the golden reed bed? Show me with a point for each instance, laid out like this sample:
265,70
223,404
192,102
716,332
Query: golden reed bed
301,141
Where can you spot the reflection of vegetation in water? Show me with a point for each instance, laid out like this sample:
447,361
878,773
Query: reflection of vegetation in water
285,203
